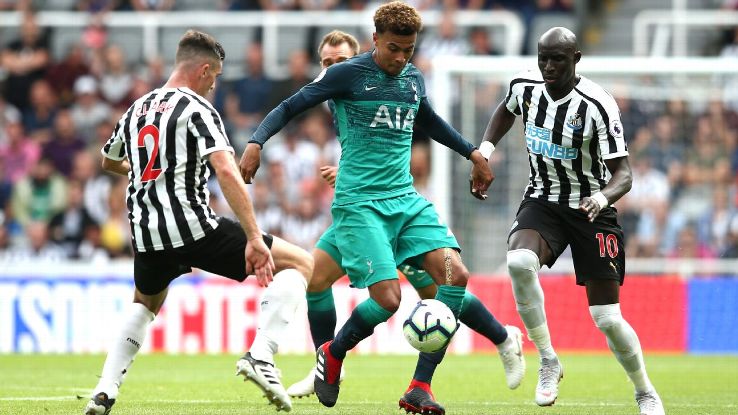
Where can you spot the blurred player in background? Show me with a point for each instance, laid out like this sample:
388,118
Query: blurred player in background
163,143
337,47
578,168
380,220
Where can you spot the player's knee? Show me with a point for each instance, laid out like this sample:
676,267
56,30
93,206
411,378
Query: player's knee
522,264
387,295
391,304
606,317
460,276
303,263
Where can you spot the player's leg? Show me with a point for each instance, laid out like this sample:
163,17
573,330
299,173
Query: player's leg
599,262
152,274
321,311
362,235
536,238
426,243
280,300
222,253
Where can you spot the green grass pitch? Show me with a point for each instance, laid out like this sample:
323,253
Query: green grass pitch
206,384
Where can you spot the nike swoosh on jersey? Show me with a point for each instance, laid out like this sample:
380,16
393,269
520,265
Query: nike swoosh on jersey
369,88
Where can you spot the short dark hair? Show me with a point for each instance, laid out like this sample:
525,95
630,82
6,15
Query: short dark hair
338,37
398,18
198,44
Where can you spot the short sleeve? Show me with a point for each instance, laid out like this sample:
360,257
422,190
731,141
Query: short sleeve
115,148
207,126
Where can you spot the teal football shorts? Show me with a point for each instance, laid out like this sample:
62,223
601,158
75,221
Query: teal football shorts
375,237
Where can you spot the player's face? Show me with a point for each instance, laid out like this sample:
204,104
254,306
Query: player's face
393,51
334,54
210,73
558,67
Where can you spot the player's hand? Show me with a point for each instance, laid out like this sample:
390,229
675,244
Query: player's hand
259,261
481,176
250,161
329,173
590,207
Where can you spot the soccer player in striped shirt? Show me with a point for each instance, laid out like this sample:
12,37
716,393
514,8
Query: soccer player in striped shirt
578,168
163,144
336,47
379,219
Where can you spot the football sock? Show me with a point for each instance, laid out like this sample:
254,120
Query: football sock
321,316
358,327
478,318
452,296
523,266
278,305
623,342
426,366
123,349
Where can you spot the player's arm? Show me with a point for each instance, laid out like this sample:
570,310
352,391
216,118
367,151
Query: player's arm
331,83
499,124
114,152
258,257
440,131
121,167
619,184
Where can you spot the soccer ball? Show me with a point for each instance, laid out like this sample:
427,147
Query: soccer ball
430,326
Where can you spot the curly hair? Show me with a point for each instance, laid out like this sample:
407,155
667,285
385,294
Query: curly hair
398,18
198,44
338,37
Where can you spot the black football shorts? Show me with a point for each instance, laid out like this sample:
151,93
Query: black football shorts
597,248
220,252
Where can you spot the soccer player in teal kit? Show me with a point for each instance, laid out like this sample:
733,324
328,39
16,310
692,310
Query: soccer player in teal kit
380,220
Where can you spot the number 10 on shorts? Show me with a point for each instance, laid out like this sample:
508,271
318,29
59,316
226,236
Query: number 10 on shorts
608,244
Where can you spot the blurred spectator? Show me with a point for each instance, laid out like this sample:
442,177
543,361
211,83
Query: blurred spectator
67,228
115,231
713,228
299,76
26,60
65,143
241,5
298,158
152,5
38,120
317,129
18,153
155,72
278,4
420,169
268,213
8,112
445,41
62,75
305,225
480,42
688,245
37,247
88,109
116,80
97,6
555,5
249,98
40,195
666,155
644,209
95,183
731,240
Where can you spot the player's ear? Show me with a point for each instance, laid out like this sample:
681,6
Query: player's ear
577,56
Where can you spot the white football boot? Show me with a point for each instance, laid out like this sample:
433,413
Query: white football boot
549,376
511,354
649,403
266,377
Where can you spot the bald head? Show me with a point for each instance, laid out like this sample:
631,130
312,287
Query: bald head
558,37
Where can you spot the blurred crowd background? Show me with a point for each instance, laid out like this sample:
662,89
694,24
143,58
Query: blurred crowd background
58,109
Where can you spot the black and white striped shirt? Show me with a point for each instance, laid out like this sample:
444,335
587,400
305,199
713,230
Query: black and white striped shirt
568,140
166,136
